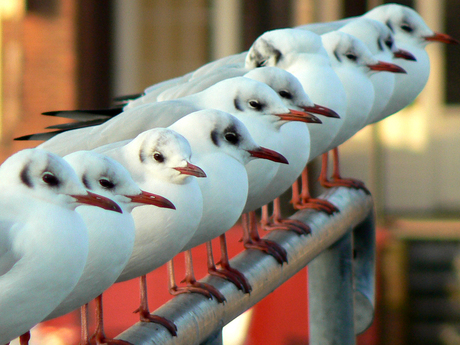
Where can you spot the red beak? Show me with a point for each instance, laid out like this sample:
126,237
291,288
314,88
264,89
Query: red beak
320,110
97,200
151,199
439,37
404,54
271,155
191,169
386,66
301,116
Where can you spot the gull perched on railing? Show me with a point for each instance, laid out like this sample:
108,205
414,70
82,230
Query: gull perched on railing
43,241
354,64
159,160
379,39
111,234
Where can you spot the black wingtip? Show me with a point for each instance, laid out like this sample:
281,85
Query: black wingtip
39,136
52,113
127,98
109,112
24,137
77,125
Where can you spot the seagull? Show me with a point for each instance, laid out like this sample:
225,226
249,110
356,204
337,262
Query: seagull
295,142
159,161
44,242
222,146
302,53
111,234
354,65
379,39
412,34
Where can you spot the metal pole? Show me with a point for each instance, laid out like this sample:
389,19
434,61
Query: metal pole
378,172
198,318
364,273
215,339
330,295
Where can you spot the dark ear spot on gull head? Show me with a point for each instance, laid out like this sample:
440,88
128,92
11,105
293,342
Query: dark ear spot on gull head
237,104
388,23
142,155
255,56
215,137
85,181
337,56
260,59
25,176
277,55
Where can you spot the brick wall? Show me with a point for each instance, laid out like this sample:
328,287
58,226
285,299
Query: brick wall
41,48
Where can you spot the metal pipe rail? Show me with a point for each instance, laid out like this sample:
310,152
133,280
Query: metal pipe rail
200,321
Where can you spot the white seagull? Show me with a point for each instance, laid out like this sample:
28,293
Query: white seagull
295,143
412,34
380,41
111,234
302,53
222,146
43,241
159,162
354,65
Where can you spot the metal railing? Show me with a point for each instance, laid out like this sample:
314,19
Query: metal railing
341,257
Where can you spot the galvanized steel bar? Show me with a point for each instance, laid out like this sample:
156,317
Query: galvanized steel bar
214,339
364,272
198,318
330,295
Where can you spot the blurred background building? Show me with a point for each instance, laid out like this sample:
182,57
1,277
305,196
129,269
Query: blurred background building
63,54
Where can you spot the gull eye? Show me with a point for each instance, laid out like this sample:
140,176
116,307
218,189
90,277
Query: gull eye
158,157
255,105
50,179
351,56
389,43
262,63
105,183
285,94
231,137
406,27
